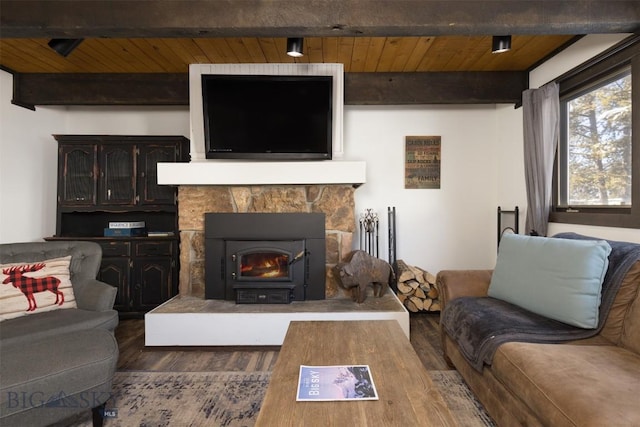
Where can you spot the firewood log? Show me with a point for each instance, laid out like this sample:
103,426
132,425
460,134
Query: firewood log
426,287
410,306
418,273
417,302
416,288
413,283
404,288
404,273
419,293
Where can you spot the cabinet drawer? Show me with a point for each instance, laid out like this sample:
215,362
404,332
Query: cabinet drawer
115,249
153,248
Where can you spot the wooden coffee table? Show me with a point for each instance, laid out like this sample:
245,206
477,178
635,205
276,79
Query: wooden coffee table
407,396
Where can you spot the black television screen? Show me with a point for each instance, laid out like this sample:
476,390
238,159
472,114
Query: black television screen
268,117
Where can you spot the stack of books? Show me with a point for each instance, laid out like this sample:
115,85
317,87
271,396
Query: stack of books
126,229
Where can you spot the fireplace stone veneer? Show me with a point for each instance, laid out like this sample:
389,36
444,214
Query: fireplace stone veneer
335,201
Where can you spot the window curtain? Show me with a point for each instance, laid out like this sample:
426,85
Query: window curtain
541,108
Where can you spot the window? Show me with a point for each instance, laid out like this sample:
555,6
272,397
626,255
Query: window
595,159
597,178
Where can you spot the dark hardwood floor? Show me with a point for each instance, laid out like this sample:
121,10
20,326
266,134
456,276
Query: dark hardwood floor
135,356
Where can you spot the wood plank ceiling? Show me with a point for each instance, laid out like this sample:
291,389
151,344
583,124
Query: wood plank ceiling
358,54
409,51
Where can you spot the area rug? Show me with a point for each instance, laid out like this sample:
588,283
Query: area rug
461,401
230,399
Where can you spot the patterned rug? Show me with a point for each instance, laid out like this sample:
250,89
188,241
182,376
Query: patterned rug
230,399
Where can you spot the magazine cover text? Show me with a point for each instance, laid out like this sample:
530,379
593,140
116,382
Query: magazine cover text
320,383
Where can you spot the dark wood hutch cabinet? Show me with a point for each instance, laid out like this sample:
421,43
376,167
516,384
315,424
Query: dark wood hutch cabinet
105,178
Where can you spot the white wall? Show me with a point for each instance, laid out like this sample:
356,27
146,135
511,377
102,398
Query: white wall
510,183
450,227
453,227
128,120
28,164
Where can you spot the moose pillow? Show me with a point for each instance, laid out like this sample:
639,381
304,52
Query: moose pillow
35,287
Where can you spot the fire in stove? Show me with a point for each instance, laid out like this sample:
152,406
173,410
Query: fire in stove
264,265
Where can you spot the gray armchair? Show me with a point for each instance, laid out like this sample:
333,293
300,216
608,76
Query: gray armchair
58,363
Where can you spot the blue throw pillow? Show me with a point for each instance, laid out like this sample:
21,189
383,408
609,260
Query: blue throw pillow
557,278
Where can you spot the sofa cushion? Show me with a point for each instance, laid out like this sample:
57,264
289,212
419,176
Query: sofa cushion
572,385
557,278
56,374
52,323
35,287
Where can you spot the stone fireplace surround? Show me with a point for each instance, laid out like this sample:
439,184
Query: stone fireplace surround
335,201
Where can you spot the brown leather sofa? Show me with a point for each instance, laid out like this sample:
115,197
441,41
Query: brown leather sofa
590,382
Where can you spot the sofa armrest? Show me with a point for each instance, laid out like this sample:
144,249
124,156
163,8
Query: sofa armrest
94,295
462,283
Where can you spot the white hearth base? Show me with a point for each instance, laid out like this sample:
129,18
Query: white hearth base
193,321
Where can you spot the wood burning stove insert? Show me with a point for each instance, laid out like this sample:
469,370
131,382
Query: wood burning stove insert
264,258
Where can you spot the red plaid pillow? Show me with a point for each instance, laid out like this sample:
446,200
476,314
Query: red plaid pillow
35,287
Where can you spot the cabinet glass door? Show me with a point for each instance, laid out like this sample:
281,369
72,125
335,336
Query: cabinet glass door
117,181
78,177
150,191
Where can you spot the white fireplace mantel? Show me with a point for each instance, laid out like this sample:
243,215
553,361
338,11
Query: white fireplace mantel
211,172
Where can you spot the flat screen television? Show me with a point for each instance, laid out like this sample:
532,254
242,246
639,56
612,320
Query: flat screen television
267,117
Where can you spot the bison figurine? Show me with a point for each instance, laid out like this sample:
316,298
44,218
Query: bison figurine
361,270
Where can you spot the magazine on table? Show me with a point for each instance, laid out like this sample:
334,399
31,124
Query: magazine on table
342,382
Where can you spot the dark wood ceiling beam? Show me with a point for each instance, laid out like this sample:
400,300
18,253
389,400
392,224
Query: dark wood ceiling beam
489,87
318,18
31,90
35,89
